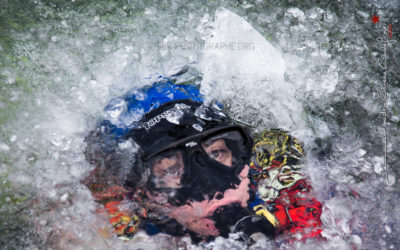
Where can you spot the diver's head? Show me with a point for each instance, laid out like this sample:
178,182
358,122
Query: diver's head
191,148
190,171
193,160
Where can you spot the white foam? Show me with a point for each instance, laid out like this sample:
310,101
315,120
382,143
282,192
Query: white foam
253,76
4,147
232,58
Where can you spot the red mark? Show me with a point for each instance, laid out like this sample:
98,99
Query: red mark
375,19
390,31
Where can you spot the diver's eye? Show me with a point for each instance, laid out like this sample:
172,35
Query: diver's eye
218,150
173,170
217,154
168,171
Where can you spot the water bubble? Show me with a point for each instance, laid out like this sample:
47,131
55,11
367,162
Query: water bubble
329,16
52,193
297,13
10,80
92,83
56,139
13,138
31,158
391,179
361,152
314,13
388,229
363,14
378,164
64,198
129,145
4,147
115,108
356,240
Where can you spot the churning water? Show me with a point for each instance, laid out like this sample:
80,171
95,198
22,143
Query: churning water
314,69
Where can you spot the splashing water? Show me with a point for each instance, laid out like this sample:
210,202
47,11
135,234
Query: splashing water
310,69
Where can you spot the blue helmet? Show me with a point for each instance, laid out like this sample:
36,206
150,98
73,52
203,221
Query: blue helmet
124,113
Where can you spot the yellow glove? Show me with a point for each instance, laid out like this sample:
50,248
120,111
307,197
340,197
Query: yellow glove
262,211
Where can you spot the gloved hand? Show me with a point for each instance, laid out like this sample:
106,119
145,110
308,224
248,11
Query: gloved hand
124,225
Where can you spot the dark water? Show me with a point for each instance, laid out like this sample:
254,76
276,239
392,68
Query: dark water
61,61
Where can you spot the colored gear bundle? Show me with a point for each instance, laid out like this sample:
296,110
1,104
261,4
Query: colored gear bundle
281,187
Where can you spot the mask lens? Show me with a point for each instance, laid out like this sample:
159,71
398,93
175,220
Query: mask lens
228,146
167,169
225,147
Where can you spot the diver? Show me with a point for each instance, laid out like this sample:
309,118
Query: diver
195,171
